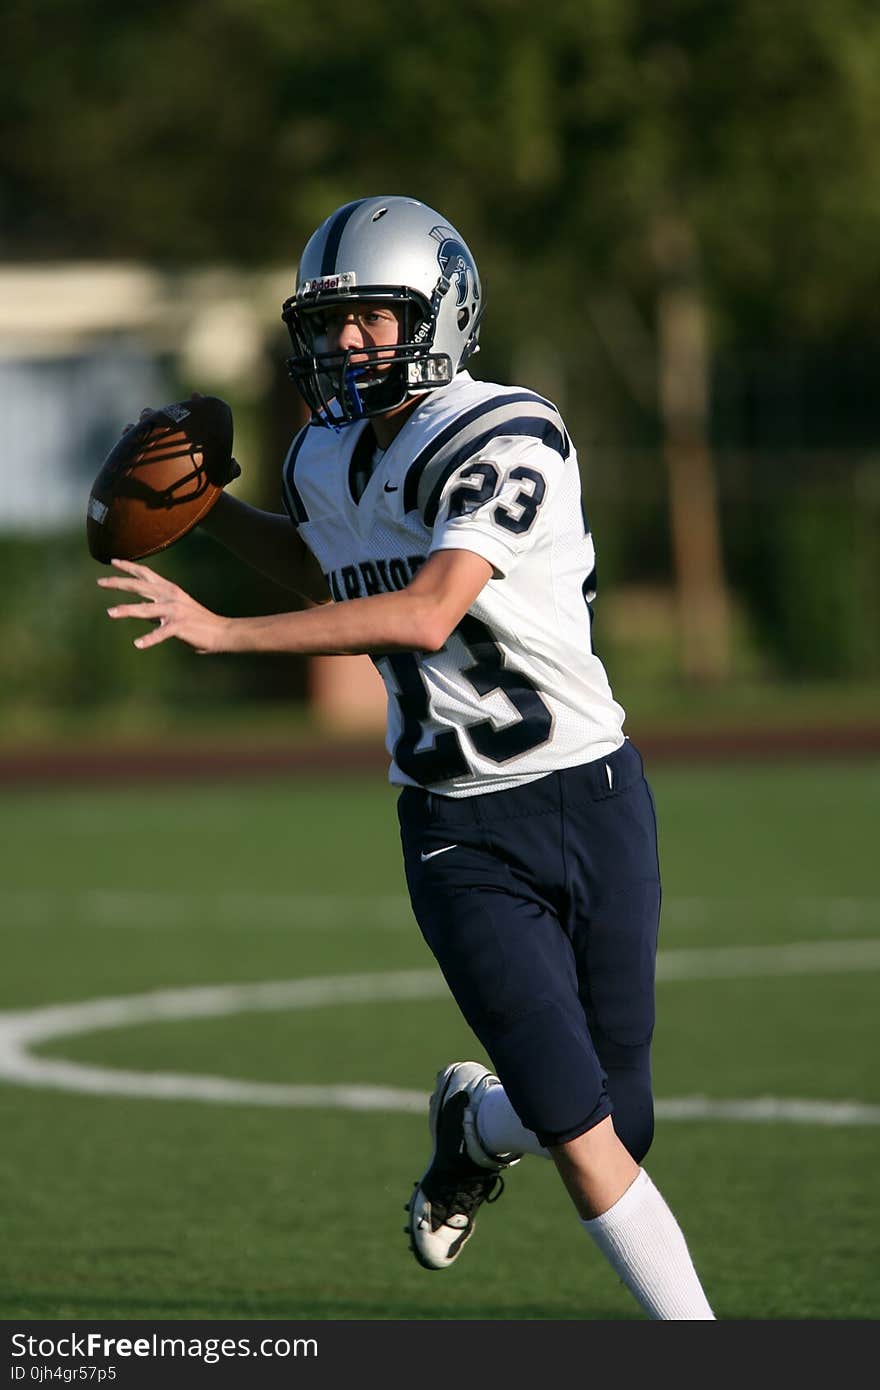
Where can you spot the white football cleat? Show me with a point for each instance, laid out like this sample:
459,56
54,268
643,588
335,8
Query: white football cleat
461,1174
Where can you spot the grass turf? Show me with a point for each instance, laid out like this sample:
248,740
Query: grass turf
127,1208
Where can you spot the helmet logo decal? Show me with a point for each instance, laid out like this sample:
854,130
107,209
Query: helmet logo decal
346,280
453,260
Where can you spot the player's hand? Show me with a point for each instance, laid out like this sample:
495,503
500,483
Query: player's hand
228,474
175,613
230,470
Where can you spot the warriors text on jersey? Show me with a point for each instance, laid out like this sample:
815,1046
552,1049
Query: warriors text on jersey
516,691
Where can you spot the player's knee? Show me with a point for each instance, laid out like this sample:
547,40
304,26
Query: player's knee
628,1071
634,1126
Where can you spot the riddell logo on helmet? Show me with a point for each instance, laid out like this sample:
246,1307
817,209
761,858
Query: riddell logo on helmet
343,281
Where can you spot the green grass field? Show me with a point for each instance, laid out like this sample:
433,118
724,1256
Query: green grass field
128,1207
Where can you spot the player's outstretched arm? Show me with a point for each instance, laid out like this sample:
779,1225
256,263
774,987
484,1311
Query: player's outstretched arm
418,618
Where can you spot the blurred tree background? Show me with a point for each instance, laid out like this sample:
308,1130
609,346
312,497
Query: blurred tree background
676,208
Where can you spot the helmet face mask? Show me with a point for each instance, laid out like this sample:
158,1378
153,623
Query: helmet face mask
401,253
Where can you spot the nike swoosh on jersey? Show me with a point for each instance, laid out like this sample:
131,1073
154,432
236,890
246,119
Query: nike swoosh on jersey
391,487
432,854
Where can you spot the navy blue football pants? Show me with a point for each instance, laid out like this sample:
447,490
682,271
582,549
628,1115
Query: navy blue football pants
541,905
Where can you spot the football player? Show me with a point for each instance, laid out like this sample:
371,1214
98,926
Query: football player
445,513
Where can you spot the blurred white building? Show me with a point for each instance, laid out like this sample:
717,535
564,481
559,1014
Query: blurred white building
83,347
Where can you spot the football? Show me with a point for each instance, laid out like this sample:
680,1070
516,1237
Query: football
160,479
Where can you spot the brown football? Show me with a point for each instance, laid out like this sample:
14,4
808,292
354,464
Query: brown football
161,478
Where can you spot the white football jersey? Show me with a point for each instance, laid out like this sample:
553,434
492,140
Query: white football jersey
517,691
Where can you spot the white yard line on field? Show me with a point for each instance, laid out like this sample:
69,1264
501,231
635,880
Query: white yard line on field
793,958
158,909
155,909
21,1030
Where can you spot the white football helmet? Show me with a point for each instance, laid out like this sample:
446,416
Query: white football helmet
398,251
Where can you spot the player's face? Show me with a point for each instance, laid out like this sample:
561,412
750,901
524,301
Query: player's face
361,324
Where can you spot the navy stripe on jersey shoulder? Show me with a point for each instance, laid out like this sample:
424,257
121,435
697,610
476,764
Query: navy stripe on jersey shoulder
292,500
334,236
461,422
525,426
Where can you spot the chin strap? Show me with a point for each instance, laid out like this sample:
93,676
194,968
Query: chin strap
353,395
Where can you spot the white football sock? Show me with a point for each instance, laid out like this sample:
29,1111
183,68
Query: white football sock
499,1128
643,1241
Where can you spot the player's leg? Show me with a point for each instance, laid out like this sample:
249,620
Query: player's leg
610,909
614,915
628,1219
628,1072
520,999
615,895
511,969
